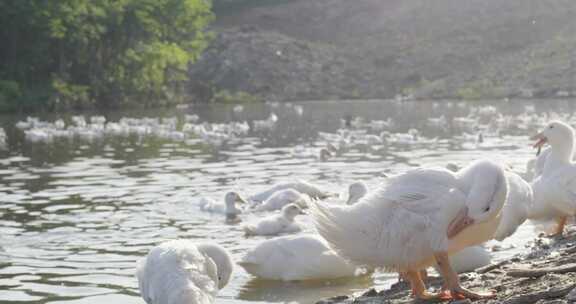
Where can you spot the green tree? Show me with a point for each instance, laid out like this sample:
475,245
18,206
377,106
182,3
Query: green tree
80,53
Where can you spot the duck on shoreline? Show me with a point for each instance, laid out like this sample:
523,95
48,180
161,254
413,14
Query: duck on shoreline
417,219
555,188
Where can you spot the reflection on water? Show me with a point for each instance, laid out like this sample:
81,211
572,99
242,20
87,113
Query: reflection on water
275,291
76,214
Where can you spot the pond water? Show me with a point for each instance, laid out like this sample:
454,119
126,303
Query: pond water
77,213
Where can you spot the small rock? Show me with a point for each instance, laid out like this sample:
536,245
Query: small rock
571,297
333,300
469,276
499,288
464,301
370,293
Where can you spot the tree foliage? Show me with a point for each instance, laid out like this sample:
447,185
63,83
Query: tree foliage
223,7
77,53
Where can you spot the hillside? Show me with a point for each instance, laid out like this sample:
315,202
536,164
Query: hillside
380,48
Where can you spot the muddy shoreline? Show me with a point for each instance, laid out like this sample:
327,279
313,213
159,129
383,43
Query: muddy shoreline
545,274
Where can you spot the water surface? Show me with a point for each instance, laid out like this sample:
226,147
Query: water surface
76,214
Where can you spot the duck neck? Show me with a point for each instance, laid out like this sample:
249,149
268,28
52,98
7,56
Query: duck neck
231,208
561,153
484,182
288,217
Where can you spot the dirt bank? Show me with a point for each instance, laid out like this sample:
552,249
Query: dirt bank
546,274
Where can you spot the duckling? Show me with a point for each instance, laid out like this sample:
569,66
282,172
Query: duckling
278,223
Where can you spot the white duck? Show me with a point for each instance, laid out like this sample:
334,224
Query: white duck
470,259
181,272
465,260
514,212
517,208
296,258
301,186
356,191
416,219
282,198
535,166
555,188
278,223
228,208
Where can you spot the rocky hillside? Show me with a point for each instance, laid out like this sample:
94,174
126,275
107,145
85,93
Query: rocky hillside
326,49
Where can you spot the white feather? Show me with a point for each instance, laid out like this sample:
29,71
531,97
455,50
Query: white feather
402,224
228,206
282,198
276,224
517,207
290,258
470,259
303,187
179,272
555,188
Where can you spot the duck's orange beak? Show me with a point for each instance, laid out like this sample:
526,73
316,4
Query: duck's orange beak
540,141
459,223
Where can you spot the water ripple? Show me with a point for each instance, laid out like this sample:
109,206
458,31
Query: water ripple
77,214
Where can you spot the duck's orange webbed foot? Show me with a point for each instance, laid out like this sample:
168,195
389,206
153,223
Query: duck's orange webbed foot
452,288
418,287
459,293
561,223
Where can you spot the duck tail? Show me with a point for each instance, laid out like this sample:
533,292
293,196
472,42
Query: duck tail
339,227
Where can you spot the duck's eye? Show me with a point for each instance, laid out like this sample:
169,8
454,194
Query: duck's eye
487,209
551,127
219,278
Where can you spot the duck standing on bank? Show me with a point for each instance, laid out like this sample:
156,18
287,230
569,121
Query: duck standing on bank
514,212
417,219
555,188
517,208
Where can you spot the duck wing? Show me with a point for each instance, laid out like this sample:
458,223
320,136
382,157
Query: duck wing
518,204
563,183
398,225
176,272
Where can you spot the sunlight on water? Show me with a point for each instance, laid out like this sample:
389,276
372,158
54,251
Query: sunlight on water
77,212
